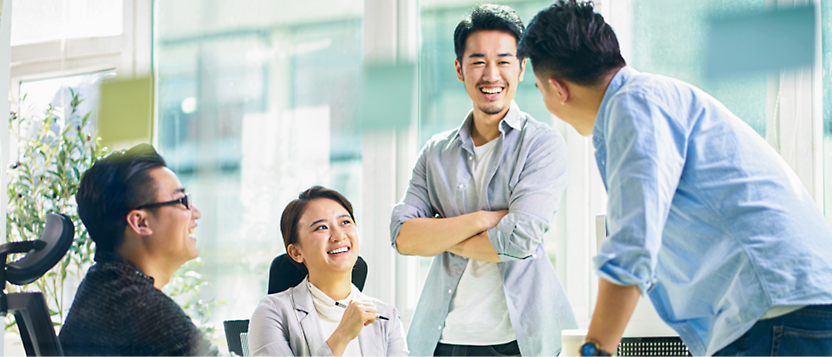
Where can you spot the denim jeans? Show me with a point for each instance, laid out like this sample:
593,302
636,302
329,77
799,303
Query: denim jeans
805,332
506,349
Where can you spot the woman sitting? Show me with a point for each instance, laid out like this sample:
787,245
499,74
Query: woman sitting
325,314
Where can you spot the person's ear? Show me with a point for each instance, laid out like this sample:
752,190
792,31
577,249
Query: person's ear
522,69
458,70
294,253
561,89
137,221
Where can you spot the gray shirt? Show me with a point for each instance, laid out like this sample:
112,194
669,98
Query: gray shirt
527,176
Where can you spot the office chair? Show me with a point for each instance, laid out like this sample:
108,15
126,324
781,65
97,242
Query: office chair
283,274
30,311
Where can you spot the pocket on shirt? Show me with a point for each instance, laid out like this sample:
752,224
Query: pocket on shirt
791,341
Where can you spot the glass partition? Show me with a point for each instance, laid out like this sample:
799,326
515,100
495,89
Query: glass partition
670,38
256,103
826,45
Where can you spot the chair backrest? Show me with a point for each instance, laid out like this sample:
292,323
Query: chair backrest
58,233
234,329
284,274
29,309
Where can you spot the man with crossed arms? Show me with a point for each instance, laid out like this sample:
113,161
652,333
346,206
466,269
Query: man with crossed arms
479,202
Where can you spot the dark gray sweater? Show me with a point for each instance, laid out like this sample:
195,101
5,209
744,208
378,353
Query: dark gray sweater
118,312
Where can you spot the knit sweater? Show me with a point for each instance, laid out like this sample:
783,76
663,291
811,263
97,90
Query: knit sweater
118,311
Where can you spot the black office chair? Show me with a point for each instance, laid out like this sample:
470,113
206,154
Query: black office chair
29,308
283,274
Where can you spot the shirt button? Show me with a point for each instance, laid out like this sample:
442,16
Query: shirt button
534,255
470,157
450,291
460,187
440,327
655,281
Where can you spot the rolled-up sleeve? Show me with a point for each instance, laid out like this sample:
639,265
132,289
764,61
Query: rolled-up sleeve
645,155
416,201
534,199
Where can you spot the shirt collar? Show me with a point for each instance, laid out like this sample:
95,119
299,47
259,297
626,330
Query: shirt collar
618,81
512,120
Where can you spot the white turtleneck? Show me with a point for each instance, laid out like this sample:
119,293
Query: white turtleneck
330,314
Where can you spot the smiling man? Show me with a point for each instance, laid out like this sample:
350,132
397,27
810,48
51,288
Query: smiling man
480,200
142,222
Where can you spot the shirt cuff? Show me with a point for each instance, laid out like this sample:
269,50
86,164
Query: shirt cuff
620,276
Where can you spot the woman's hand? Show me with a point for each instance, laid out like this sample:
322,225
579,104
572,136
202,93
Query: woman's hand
358,314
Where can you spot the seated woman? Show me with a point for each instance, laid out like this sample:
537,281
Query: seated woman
325,314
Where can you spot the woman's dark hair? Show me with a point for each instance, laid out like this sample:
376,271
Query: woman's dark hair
294,210
486,17
111,188
569,40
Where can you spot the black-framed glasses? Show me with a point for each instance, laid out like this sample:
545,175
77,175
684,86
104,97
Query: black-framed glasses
185,201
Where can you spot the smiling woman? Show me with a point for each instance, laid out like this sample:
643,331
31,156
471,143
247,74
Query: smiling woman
325,314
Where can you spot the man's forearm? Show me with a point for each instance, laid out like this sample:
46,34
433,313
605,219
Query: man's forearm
477,247
613,310
433,236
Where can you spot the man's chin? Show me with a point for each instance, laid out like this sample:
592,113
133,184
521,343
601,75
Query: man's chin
492,110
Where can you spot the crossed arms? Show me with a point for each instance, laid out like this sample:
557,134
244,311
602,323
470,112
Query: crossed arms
536,182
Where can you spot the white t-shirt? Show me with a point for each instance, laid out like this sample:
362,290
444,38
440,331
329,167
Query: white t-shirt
329,315
478,314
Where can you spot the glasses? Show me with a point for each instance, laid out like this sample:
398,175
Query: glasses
185,201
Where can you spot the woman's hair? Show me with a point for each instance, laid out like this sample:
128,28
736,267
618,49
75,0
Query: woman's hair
294,210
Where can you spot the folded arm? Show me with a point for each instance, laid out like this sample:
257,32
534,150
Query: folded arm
433,236
477,247
534,198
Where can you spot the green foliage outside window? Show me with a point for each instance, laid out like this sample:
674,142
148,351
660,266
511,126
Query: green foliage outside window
54,150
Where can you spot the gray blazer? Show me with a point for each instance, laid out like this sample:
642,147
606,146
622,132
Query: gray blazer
286,324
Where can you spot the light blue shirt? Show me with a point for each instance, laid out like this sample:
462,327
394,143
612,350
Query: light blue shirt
703,214
527,176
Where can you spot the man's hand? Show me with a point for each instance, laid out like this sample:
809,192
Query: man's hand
477,247
492,218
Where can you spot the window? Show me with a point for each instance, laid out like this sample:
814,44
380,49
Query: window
38,21
256,103
826,63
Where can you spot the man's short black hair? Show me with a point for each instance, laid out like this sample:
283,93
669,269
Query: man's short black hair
569,40
487,17
111,188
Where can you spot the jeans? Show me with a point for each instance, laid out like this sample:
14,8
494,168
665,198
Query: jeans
805,332
506,349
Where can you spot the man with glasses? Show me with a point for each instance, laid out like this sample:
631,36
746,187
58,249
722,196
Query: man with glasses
142,222
480,201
